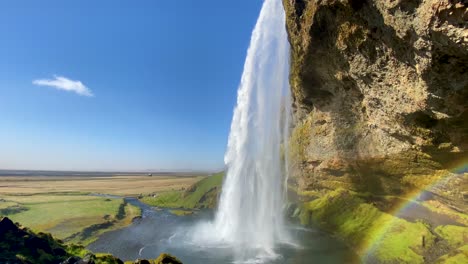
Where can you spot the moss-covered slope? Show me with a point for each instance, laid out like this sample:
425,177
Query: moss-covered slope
20,245
202,194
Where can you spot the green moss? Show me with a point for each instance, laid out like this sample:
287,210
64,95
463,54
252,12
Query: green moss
458,256
202,194
363,225
18,243
104,258
76,250
456,236
298,142
165,258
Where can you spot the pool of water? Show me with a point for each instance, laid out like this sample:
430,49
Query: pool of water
160,231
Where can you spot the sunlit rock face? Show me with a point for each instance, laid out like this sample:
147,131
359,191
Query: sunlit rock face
379,92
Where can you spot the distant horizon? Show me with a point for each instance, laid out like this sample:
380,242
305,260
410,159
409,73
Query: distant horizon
5,172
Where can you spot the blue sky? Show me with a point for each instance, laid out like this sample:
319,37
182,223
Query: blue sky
161,76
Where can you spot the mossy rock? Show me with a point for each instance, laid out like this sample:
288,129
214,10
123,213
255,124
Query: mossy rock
367,229
165,258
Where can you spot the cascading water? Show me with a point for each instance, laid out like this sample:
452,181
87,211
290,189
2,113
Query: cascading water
250,212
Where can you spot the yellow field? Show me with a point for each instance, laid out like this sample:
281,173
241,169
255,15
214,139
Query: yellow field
117,185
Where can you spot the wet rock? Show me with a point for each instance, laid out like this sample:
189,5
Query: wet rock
71,260
136,219
88,259
142,261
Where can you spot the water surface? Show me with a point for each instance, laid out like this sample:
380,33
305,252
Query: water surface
160,231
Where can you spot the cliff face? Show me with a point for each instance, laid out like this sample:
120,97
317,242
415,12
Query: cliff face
380,91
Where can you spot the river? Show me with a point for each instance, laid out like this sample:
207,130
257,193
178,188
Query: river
161,231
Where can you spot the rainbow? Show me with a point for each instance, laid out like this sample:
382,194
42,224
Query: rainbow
373,240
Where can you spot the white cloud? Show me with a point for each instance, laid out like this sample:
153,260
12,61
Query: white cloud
63,83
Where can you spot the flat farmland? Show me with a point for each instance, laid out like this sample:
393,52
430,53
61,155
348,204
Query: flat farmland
62,206
122,185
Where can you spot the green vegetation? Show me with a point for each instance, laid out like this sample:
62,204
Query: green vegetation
458,256
202,194
167,258
363,225
166,199
300,139
181,212
21,245
456,236
74,218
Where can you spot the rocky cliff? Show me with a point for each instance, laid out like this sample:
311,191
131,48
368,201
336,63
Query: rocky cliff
378,150
380,92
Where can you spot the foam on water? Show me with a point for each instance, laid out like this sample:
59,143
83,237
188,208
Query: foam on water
250,212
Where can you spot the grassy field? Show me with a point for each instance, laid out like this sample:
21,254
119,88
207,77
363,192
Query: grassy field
202,194
74,218
63,207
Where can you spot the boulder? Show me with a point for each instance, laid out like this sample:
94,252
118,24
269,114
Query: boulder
165,258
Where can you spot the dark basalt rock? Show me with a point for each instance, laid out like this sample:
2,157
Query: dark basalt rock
71,260
142,261
20,245
7,226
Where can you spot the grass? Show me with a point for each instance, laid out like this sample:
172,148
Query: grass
166,199
62,206
181,212
362,225
66,216
91,233
456,236
202,194
7,204
71,211
458,256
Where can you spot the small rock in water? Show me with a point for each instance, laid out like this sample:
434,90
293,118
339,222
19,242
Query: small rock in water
142,261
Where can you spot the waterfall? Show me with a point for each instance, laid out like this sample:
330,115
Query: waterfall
250,212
